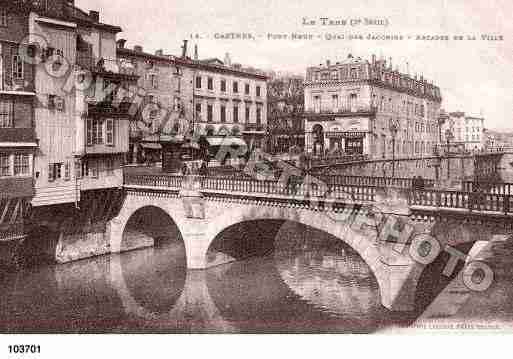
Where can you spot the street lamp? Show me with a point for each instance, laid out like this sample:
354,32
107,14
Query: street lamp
442,119
449,137
394,128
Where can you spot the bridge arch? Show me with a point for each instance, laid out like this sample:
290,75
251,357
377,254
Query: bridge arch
390,288
148,217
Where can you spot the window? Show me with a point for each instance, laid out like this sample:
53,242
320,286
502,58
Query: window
354,74
246,89
223,113
209,113
235,87
352,102
94,132
210,83
54,171
109,166
17,67
259,116
178,83
317,104
154,81
198,82
97,132
109,132
223,85
93,166
247,114
6,113
335,102
3,18
67,171
258,91
198,109
235,114
5,166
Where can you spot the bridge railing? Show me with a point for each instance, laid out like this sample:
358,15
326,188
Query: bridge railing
465,200
359,193
372,181
488,187
170,181
472,201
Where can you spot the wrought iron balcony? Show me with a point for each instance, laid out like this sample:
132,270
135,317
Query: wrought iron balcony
343,110
108,68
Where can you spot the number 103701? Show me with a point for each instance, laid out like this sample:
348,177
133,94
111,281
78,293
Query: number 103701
24,349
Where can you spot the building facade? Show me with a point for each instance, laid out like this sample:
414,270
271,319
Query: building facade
229,101
465,131
81,118
187,98
165,89
367,107
18,143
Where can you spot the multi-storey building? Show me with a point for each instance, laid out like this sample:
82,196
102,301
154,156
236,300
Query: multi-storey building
166,92
465,131
229,100
366,107
82,117
17,135
186,96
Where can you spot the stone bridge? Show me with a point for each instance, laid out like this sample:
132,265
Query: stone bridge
201,211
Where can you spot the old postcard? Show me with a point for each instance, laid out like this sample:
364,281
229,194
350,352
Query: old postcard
255,167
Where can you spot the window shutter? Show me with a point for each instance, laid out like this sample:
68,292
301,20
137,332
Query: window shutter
109,132
89,124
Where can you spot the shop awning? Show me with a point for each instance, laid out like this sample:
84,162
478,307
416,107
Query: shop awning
226,141
151,146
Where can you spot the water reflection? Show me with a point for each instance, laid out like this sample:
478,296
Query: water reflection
308,286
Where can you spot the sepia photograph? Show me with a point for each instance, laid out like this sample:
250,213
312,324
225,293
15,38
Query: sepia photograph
271,167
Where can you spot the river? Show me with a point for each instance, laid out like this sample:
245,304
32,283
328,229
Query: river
314,286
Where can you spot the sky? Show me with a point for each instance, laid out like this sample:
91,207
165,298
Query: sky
475,76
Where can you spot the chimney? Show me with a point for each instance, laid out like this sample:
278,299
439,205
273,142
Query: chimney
121,43
94,15
327,63
138,48
373,59
196,52
184,49
159,52
390,64
227,59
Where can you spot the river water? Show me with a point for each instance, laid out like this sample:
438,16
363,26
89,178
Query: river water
313,286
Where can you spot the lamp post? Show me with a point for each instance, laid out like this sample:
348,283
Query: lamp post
449,137
442,119
394,128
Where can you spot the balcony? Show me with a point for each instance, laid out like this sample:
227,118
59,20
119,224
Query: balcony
343,111
109,69
18,136
109,109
